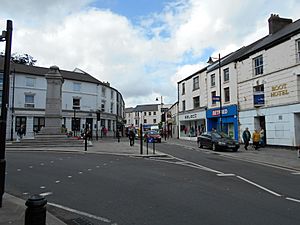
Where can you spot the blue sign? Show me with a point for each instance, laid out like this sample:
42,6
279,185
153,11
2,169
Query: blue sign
150,140
226,111
259,99
215,98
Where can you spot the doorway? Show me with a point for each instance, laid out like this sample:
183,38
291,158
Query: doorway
260,123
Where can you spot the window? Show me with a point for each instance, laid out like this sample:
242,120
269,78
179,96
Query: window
103,105
298,49
258,65
112,94
196,101
29,101
154,121
213,80
154,113
38,123
145,120
109,125
103,91
145,113
226,95
213,93
149,114
196,83
20,120
30,82
76,86
76,103
183,105
226,74
183,88
111,107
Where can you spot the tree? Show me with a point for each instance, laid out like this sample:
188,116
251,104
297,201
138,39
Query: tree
24,59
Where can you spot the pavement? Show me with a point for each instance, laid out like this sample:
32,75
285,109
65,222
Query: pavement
13,209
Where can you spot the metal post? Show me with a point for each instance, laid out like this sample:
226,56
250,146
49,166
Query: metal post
75,133
5,96
147,144
85,137
141,139
35,213
13,107
153,147
221,126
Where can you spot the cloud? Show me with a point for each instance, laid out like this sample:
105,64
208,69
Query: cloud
144,59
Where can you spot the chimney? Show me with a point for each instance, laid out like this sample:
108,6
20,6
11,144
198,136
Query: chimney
276,23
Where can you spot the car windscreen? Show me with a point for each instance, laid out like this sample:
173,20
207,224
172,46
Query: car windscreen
152,132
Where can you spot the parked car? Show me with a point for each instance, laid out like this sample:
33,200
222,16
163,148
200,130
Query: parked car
217,141
152,134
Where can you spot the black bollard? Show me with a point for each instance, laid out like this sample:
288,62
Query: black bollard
35,213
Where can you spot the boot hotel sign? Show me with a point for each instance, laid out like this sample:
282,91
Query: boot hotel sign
279,90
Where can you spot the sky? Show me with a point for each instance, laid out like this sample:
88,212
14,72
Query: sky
141,47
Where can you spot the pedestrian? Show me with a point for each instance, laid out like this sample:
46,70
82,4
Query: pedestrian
118,135
256,139
21,132
246,137
262,137
131,137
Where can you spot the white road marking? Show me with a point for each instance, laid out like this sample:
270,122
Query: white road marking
57,181
89,169
18,170
25,193
69,176
79,172
42,164
296,173
51,161
102,219
60,159
30,167
42,187
46,194
293,199
97,166
226,175
259,186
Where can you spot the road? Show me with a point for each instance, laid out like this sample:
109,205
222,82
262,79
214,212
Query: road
193,187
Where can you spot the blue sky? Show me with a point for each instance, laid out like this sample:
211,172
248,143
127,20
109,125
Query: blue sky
142,47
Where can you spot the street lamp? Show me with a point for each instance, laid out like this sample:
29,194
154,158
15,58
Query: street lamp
210,61
5,36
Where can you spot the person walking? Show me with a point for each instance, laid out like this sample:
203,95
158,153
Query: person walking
131,137
246,137
262,137
21,132
256,139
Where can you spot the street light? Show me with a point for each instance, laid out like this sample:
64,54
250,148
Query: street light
210,61
5,36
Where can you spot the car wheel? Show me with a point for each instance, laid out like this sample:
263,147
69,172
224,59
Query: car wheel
213,147
235,149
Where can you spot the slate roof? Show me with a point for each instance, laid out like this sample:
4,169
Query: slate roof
41,71
143,108
264,43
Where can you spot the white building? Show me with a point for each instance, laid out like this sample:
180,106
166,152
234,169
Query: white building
260,88
82,97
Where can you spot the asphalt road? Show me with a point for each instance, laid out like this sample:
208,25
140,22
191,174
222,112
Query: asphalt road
119,190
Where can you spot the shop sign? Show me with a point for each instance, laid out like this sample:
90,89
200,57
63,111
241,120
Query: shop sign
279,90
190,116
217,112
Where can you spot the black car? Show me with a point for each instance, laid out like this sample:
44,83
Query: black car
217,141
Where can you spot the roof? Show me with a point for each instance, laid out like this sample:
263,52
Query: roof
189,77
143,108
41,71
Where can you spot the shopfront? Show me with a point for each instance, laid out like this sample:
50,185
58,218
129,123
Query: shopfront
229,120
191,125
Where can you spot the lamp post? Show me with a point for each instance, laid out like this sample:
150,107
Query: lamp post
74,121
12,107
210,61
5,36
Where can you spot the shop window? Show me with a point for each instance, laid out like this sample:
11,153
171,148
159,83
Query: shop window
38,123
258,65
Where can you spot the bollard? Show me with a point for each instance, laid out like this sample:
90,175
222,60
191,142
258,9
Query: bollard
147,144
35,213
298,151
154,147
